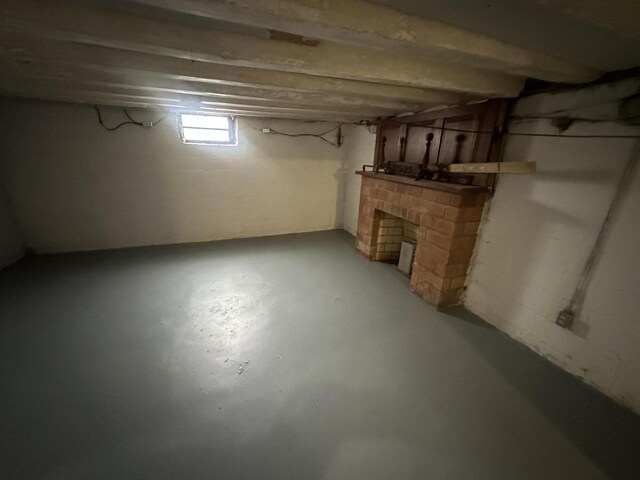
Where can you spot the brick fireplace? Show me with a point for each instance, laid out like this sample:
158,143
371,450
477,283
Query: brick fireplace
446,217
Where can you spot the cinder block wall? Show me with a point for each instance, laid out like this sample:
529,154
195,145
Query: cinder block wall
74,186
538,232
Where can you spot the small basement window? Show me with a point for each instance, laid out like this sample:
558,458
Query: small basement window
207,129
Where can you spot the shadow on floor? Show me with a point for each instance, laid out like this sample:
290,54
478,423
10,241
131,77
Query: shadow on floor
606,432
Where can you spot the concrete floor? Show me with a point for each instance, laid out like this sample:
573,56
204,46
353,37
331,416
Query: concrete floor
287,357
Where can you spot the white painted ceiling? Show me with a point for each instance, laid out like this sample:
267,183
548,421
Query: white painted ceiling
250,57
538,25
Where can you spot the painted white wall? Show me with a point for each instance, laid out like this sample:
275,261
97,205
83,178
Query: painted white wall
11,247
537,234
75,186
359,144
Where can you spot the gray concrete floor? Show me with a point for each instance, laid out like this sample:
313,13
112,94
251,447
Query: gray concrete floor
287,357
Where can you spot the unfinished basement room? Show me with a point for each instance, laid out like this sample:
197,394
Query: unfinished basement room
319,239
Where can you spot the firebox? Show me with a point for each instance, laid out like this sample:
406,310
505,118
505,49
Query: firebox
443,220
389,232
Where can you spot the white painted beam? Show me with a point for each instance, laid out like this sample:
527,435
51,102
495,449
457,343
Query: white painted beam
358,23
106,59
114,101
161,83
138,33
166,96
28,88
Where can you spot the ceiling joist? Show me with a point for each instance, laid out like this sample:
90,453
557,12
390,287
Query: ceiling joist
105,59
362,24
306,59
161,82
194,101
134,32
91,97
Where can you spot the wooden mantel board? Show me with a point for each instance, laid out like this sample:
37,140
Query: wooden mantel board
493,167
443,186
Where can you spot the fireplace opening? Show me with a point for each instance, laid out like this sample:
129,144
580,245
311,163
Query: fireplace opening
395,240
446,219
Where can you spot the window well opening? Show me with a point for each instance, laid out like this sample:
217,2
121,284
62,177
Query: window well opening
202,129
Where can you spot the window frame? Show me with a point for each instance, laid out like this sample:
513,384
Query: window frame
232,129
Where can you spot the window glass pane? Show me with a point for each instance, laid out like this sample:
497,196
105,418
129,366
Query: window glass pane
204,121
200,135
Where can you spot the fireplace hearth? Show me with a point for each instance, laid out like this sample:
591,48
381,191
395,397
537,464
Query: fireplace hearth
447,217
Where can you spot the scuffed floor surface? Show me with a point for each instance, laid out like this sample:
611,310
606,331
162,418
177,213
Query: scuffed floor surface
287,357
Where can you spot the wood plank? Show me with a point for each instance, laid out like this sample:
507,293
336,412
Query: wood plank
494,167
74,95
359,23
215,92
432,184
129,31
109,60
188,98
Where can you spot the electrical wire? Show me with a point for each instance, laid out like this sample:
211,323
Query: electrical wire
523,134
316,135
481,132
153,124
559,117
369,125
131,121
129,117
111,129
553,135
275,132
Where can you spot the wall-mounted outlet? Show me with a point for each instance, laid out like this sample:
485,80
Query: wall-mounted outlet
147,124
565,318
266,130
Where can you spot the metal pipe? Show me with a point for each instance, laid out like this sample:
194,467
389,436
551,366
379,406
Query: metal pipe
581,289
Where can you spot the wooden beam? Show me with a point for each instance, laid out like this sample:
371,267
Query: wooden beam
105,59
359,23
26,89
493,167
145,89
108,101
287,115
143,34
162,83
84,98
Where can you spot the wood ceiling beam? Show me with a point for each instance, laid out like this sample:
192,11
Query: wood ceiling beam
110,101
188,100
84,98
287,115
107,59
98,26
78,93
52,85
162,83
14,93
358,23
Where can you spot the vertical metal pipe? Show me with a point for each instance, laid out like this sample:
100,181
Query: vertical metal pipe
622,188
